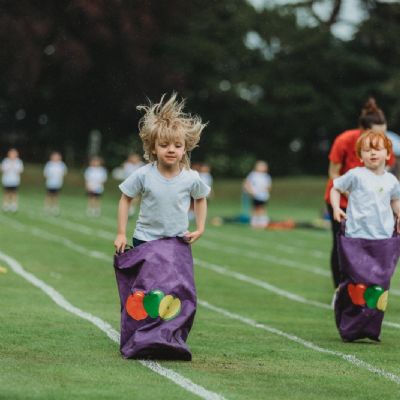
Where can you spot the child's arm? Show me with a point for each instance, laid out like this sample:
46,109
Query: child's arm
200,211
338,213
123,211
395,203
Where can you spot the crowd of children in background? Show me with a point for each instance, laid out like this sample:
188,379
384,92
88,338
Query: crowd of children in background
95,176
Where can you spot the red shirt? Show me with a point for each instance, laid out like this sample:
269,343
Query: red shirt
343,152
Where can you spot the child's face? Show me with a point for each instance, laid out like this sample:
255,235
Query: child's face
55,157
169,154
95,162
374,158
13,154
261,167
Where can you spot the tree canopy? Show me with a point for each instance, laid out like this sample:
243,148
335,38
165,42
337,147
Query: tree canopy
274,83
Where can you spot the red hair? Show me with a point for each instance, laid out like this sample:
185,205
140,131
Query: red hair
374,140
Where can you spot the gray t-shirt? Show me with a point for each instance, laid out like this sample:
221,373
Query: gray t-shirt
165,202
369,213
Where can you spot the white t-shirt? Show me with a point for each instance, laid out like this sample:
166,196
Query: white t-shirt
11,169
95,178
54,172
165,202
260,182
369,213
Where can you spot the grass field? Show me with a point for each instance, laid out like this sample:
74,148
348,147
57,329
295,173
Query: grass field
264,328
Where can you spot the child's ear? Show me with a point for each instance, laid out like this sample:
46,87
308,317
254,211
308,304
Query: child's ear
388,157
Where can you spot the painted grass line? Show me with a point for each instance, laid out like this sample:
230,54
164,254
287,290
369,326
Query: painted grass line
205,243
222,270
347,357
264,257
257,282
289,249
60,300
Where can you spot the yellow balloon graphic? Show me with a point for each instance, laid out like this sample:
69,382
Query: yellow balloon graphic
169,308
382,302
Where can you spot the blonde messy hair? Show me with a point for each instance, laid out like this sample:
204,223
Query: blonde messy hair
166,121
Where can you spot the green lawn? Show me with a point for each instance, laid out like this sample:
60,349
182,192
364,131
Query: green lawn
250,340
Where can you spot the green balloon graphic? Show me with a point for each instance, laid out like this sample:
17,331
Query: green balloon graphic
372,294
152,302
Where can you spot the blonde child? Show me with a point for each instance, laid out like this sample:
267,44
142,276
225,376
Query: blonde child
167,182
11,168
54,172
258,186
374,193
95,177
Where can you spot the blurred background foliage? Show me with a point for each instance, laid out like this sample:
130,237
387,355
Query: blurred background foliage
274,82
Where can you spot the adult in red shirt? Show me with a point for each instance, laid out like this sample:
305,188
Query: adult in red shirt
343,157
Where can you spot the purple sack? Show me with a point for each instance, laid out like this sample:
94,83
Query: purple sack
158,299
367,266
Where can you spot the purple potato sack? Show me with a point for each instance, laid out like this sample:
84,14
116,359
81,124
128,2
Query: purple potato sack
158,299
367,266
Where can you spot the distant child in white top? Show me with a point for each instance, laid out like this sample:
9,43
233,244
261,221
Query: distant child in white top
11,168
374,194
54,172
258,186
95,177
133,163
205,176
167,182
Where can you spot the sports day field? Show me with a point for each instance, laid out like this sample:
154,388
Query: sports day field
264,327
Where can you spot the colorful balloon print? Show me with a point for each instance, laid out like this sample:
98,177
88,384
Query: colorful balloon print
383,300
356,293
152,302
372,294
134,306
170,307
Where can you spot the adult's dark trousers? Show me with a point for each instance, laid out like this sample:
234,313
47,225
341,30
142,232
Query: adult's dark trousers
335,267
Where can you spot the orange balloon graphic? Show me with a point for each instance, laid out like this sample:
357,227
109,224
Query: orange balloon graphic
356,293
134,306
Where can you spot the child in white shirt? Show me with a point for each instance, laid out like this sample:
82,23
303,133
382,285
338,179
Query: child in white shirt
95,177
258,186
167,183
11,168
374,194
54,172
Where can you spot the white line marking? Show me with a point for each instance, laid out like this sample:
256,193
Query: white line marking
347,357
60,300
256,282
264,257
222,270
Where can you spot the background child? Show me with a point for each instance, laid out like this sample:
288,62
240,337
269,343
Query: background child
167,182
206,177
374,194
95,177
133,163
11,168
54,172
258,185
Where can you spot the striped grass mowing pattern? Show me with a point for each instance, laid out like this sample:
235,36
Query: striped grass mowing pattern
236,341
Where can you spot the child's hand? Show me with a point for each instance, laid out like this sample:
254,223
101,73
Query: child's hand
120,243
191,237
338,214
